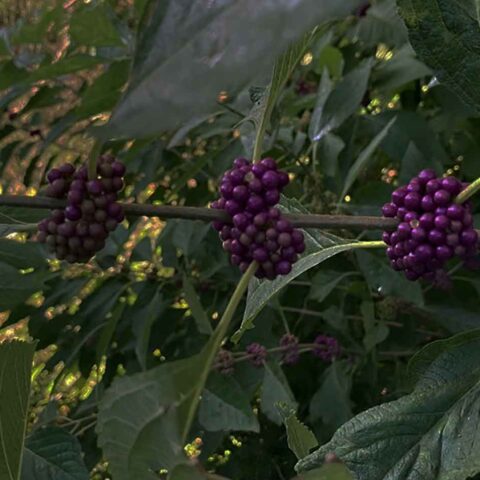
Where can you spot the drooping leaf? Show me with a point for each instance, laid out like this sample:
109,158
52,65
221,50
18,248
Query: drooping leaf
225,407
138,421
181,75
275,390
398,71
22,255
261,292
53,454
428,434
16,287
324,283
201,319
342,102
363,159
382,279
282,71
331,402
15,372
93,26
300,438
444,34
381,24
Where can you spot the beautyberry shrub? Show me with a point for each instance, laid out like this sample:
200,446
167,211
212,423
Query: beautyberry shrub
433,228
257,231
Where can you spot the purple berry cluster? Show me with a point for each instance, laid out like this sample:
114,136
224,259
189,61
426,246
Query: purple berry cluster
249,193
433,228
290,349
224,362
257,354
326,348
75,233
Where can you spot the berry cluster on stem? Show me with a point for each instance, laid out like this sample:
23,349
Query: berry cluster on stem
258,231
77,231
433,228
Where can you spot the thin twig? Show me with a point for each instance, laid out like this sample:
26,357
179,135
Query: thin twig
210,215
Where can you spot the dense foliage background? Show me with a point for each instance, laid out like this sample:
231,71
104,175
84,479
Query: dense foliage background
177,90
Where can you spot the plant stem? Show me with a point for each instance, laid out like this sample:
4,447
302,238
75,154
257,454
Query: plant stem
472,189
93,158
209,215
213,346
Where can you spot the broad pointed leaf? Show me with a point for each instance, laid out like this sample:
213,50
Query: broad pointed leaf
15,373
429,434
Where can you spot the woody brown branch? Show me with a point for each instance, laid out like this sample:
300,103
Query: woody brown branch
210,215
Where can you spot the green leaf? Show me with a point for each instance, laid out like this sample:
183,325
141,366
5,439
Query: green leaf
402,68
9,228
220,48
186,472
36,32
103,94
144,419
148,314
93,26
108,332
332,471
201,319
15,372
382,24
342,102
443,35
261,292
225,407
282,71
22,254
364,158
382,279
139,421
53,454
300,438
64,66
421,361
275,390
375,331
16,287
428,434
324,283
331,403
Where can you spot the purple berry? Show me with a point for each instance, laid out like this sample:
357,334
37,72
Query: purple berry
424,252
272,197
269,164
442,197
389,210
73,213
451,185
284,239
398,196
442,222
432,186
95,187
437,237
428,204
118,169
443,253
283,268
426,175
468,238
255,204
240,193
427,221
